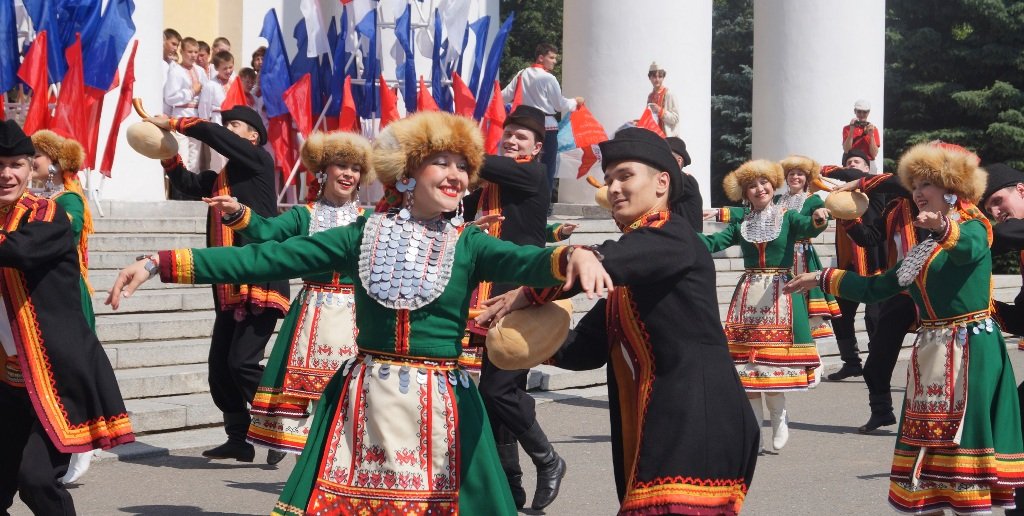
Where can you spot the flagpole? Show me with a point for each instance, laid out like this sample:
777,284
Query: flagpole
295,167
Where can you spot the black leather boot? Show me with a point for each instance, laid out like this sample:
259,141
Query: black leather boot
851,360
877,420
550,466
509,455
236,426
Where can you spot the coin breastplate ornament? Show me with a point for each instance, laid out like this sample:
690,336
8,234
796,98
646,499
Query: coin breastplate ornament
762,226
406,263
327,216
915,260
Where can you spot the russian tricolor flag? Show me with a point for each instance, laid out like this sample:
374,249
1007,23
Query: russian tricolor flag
578,154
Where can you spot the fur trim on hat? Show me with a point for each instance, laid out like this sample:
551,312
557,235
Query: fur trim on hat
735,182
66,153
322,149
955,171
797,162
403,145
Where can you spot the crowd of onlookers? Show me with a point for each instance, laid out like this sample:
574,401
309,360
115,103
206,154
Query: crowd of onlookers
197,77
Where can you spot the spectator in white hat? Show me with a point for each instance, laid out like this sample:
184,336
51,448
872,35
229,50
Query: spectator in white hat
861,134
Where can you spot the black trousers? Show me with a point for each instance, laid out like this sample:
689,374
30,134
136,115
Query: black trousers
29,462
510,409
549,156
898,313
236,349
846,335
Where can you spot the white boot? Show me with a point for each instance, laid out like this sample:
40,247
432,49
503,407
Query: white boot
755,403
776,402
79,465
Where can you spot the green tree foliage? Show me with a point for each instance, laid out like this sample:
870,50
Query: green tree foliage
732,60
954,71
537,21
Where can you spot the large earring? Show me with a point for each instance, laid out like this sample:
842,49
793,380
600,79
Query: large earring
950,198
321,179
458,219
50,184
405,186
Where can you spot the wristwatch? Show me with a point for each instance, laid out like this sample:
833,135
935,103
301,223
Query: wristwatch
151,267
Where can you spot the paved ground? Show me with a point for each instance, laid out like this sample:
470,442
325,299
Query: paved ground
827,468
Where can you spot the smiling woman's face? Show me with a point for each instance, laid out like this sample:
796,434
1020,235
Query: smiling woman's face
441,180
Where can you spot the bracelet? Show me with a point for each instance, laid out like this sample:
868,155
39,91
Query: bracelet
151,265
228,219
593,248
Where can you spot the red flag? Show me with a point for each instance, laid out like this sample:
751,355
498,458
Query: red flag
124,106
3,113
424,101
75,107
493,121
647,122
586,133
349,119
281,138
91,132
235,96
517,97
298,99
464,101
33,73
388,104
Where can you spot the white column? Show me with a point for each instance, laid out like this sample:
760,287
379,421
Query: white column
135,177
812,61
608,46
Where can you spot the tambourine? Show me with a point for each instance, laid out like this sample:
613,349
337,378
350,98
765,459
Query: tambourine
601,195
148,139
529,337
842,205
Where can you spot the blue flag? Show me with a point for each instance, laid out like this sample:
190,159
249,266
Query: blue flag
275,77
8,48
44,17
77,16
407,72
301,65
442,95
102,52
371,68
332,33
491,71
480,27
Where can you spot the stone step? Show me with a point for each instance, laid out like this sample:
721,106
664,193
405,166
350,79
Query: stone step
151,382
150,210
150,300
135,327
131,355
143,242
173,412
144,226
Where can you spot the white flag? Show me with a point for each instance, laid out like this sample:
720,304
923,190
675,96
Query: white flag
315,36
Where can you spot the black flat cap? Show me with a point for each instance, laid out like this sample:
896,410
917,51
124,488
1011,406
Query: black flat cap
678,146
636,144
1000,176
528,117
249,116
854,153
13,141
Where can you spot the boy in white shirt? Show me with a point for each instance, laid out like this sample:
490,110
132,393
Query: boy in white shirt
212,96
181,92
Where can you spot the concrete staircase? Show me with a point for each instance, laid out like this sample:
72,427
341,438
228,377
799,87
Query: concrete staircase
158,341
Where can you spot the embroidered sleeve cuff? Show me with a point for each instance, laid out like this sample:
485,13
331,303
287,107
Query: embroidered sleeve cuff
540,296
560,262
867,184
172,163
949,238
830,280
176,266
724,215
180,125
555,235
238,220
